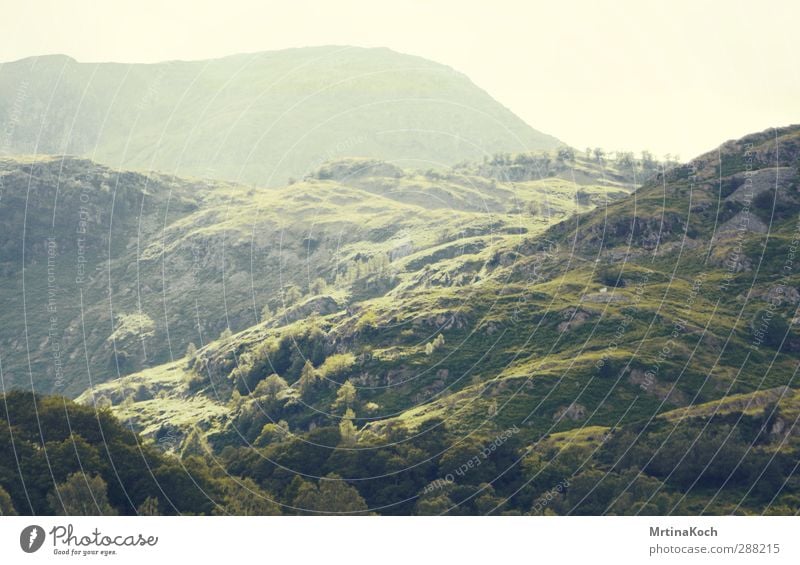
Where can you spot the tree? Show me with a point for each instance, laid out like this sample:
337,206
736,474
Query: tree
345,396
566,154
318,286
271,386
272,433
6,506
599,154
226,334
333,495
103,402
434,505
367,322
292,295
610,276
625,159
149,507
434,345
545,165
348,430
81,495
266,313
142,393
308,378
337,366
243,497
191,351
195,444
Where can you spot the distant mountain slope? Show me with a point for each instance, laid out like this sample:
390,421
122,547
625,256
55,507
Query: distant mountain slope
258,118
103,273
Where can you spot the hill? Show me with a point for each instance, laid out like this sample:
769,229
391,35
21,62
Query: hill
490,338
639,357
105,273
256,118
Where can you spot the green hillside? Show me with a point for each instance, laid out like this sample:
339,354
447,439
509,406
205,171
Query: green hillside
256,118
522,334
122,271
635,358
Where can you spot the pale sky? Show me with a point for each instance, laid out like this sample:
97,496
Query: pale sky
673,77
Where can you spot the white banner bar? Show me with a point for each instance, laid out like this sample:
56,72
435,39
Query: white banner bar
387,540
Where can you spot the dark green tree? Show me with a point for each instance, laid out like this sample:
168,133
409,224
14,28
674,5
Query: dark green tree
81,495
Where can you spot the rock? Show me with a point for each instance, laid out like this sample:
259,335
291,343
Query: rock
322,305
573,318
573,412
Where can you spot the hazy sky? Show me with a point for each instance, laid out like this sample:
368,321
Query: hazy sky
675,77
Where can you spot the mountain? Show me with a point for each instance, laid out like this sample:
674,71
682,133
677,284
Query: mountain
529,333
105,273
256,118
639,357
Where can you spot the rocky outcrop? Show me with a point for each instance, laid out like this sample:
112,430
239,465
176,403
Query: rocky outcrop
574,412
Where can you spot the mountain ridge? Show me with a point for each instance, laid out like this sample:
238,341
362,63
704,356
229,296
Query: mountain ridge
156,239
260,117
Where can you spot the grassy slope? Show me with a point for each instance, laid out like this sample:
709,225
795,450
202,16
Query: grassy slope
533,346
631,325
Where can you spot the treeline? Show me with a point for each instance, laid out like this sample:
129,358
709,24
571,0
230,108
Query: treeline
735,464
519,167
62,458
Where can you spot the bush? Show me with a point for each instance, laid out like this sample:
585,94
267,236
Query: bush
337,366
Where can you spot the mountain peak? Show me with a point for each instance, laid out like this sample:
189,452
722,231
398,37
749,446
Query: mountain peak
262,117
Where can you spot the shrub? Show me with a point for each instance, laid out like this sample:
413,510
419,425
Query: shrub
337,366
